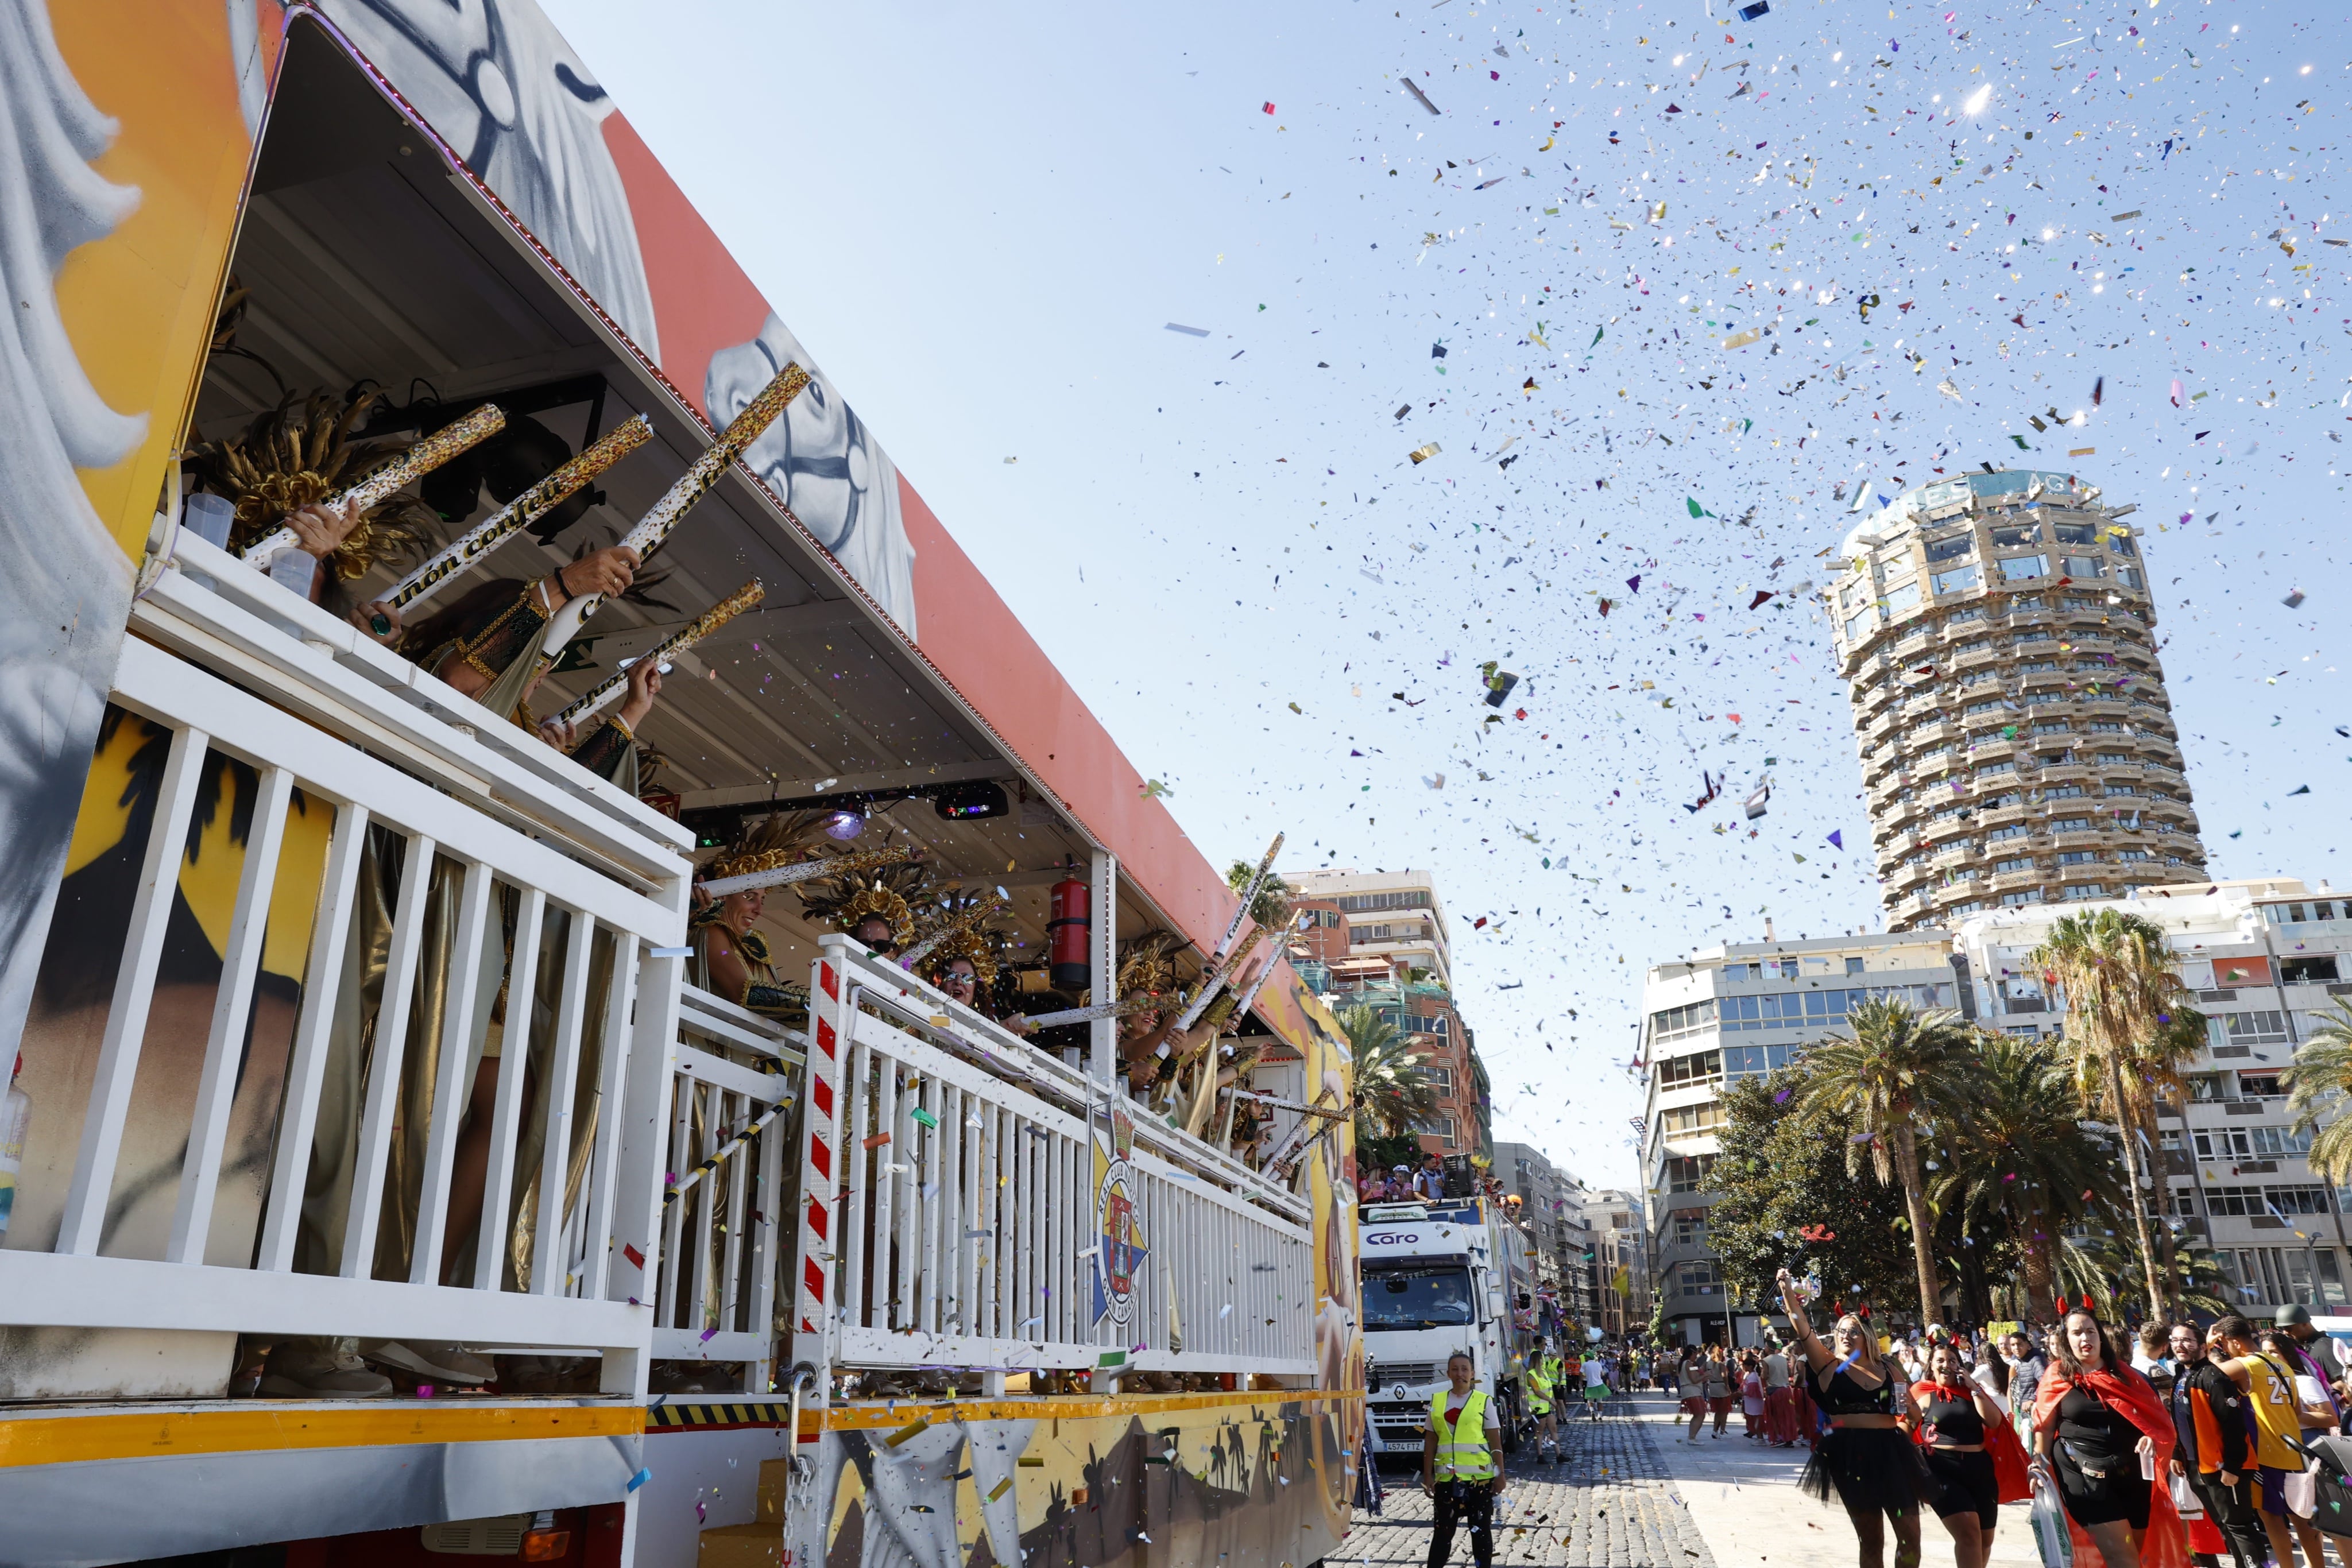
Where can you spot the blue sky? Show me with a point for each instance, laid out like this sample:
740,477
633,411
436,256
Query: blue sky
982,222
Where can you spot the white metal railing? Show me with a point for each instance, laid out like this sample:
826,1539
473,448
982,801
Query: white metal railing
490,850
735,1080
949,1206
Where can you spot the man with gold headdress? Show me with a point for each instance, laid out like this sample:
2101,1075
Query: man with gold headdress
731,960
872,907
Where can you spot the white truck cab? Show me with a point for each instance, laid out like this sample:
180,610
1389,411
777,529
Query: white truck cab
1437,1278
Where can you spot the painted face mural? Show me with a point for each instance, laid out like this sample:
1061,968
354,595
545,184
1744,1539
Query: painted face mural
497,82
822,462
64,572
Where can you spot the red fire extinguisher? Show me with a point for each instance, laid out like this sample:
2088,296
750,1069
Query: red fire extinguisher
1072,969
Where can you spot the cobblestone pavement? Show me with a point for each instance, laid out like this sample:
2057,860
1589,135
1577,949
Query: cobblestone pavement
1609,1503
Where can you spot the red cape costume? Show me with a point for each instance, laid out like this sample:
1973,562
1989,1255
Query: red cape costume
2008,1464
2127,1392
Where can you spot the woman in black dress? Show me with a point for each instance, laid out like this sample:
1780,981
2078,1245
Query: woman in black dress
1864,1457
1954,1417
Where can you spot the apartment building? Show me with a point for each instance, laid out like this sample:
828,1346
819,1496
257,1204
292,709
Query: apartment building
1622,1264
1723,1014
1395,918
1379,939
2267,958
2018,748
1566,1219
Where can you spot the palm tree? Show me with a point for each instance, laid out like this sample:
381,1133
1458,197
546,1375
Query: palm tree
1898,1070
1396,1094
2319,1084
2124,999
2022,1160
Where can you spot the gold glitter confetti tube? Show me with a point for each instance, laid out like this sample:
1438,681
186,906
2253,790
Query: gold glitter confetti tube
1214,975
806,871
655,525
686,637
520,513
960,924
411,465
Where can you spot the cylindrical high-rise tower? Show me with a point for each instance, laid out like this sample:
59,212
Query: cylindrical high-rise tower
2017,744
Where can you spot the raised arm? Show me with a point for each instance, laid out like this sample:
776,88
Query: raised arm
1817,1354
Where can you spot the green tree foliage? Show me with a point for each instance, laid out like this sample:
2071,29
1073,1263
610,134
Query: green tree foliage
1783,1169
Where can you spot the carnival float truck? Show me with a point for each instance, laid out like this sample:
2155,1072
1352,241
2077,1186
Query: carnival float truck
1436,1278
404,1157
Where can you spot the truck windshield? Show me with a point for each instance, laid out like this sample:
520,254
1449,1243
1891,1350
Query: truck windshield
1417,1298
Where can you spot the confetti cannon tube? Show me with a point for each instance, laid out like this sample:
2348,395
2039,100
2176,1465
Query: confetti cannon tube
960,924
677,642
806,871
655,525
411,465
1088,1015
1215,975
520,513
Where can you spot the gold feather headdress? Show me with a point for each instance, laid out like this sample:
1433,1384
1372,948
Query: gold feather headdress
842,901
984,946
289,458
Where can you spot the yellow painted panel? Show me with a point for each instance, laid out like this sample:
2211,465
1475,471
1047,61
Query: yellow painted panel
80,1439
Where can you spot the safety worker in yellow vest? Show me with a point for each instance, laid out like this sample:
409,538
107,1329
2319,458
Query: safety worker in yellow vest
1458,1465
1542,1378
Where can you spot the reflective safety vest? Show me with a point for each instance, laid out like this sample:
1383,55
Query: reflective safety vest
1540,1385
1462,1454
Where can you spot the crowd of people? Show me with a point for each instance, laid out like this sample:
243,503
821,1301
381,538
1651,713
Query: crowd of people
2175,1443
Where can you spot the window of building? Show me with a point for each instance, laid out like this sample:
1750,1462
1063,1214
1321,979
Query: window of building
2083,890
2077,857
2014,831
2021,896
2236,1201
1951,549
2296,914
2083,568
2314,970
2023,568
1442,1126
1853,966
2063,792
1690,1231
2016,534
1857,623
1675,1021
2075,533
1688,1173
2298,1199
1682,1071
1899,600
1747,1060
2122,545
2246,1028
1698,1277
1689,1121
1410,898
1959,580
1440,1078
2263,1085
2003,868
2252,1143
